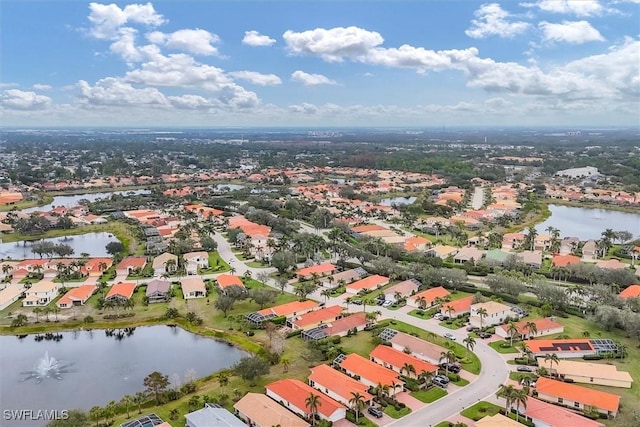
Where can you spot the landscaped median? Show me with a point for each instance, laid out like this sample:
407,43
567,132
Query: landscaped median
429,396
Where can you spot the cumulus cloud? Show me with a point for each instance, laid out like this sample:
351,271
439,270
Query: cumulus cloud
16,99
112,91
311,79
333,45
107,19
190,102
574,7
256,78
196,41
41,87
254,38
492,20
575,32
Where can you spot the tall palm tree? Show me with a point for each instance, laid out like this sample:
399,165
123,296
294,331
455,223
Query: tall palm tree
482,313
37,311
408,368
425,377
531,328
507,392
551,358
126,401
422,302
512,330
95,414
520,397
357,403
312,403
139,398
285,364
469,342
448,357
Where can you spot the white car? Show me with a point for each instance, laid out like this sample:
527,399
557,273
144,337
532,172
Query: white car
450,336
387,304
437,316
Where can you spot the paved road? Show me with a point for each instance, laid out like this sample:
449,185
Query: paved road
478,198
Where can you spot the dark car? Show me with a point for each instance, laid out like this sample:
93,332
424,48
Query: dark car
484,335
356,302
451,367
523,368
375,412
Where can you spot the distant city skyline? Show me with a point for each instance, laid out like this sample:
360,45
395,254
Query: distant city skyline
538,63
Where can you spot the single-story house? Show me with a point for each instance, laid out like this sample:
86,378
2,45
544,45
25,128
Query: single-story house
467,254
427,298
441,251
564,348
41,293
120,292
76,296
10,294
340,327
289,309
292,394
497,420
195,260
193,287
94,267
405,289
258,410
587,373
611,264
158,291
319,270
337,385
559,260
576,397
568,245
496,257
212,415
543,414
544,327
416,243
590,250
457,307
367,284
315,318
345,277
495,314
227,280
129,264
531,258
164,263
369,373
395,360
631,291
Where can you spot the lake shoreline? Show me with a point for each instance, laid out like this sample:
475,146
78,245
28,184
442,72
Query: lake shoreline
592,205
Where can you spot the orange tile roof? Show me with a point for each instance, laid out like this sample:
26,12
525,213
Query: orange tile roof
290,308
339,383
398,358
564,260
554,346
226,280
555,416
368,227
93,264
430,295
123,289
369,370
412,243
632,291
317,316
459,305
369,282
81,293
324,268
132,262
543,324
296,392
576,393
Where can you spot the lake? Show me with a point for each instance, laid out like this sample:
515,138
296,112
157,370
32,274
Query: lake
398,201
103,368
588,223
72,200
92,243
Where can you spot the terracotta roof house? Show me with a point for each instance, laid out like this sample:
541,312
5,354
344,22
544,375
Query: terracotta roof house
76,296
429,297
564,260
293,393
369,373
227,280
564,348
496,313
346,276
120,292
416,243
337,385
497,420
195,260
41,293
319,270
367,284
94,267
10,294
512,240
367,228
468,253
576,397
611,264
631,291
315,318
129,264
395,360
405,289
288,309
588,373
457,307
544,327
193,287
340,327
543,414
441,251
212,415
531,258
158,291
258,410
164,263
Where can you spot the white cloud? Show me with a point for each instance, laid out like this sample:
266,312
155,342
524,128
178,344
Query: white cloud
254,38
15,99
575,7
41,87
112,91
333,45
196,41
107,19
492,20
419,58
125,45
575,32
8,84
256,78
311,79
190,102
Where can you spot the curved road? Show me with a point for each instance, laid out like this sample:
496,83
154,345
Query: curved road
494,373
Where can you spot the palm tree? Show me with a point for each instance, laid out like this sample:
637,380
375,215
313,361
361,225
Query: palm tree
223,379
173,414
37,311
422,302
531,328
326,293
551,358
126,401
95,414
408,368
285,364
312,403
448,357
520,397
357,403
380,391
425,377
449,309
372,316
139,398
469,342
482,312
507,392
512,330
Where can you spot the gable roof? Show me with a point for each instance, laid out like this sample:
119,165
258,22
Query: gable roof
369,282
226,280
132,262
585,369
265,412
81,293
430,295
369,370
556,416
560,346
156,285
459,305
631,291
345,323
296,392
124,290
192,284
417,345
576,393
317,316
341,384
289,308
492,307
497,420
543,324
398,358
564,260
323,268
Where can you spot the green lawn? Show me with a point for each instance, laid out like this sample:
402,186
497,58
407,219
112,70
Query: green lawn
518,376
429,396
480,410
443,424
362,420
216,264
498,346
391,411
255,264
461,382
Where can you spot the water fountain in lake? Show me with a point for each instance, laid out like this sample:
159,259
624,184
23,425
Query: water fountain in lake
47,367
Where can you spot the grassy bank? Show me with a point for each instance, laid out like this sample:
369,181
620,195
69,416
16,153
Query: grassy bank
45,200
592,205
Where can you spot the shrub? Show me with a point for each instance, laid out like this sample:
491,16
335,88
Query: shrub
280,320
294,333
592,357
88,319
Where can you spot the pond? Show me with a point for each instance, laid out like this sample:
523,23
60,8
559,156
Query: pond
398,201
92,243
588,223
89,368
72,200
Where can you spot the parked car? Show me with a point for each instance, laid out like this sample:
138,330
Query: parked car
375,412
484,335
450,336
437,316
380,302
387,304
472,328
523,368
451,367
356,302
440,383
442,378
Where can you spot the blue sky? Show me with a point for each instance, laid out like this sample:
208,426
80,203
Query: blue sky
320,63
